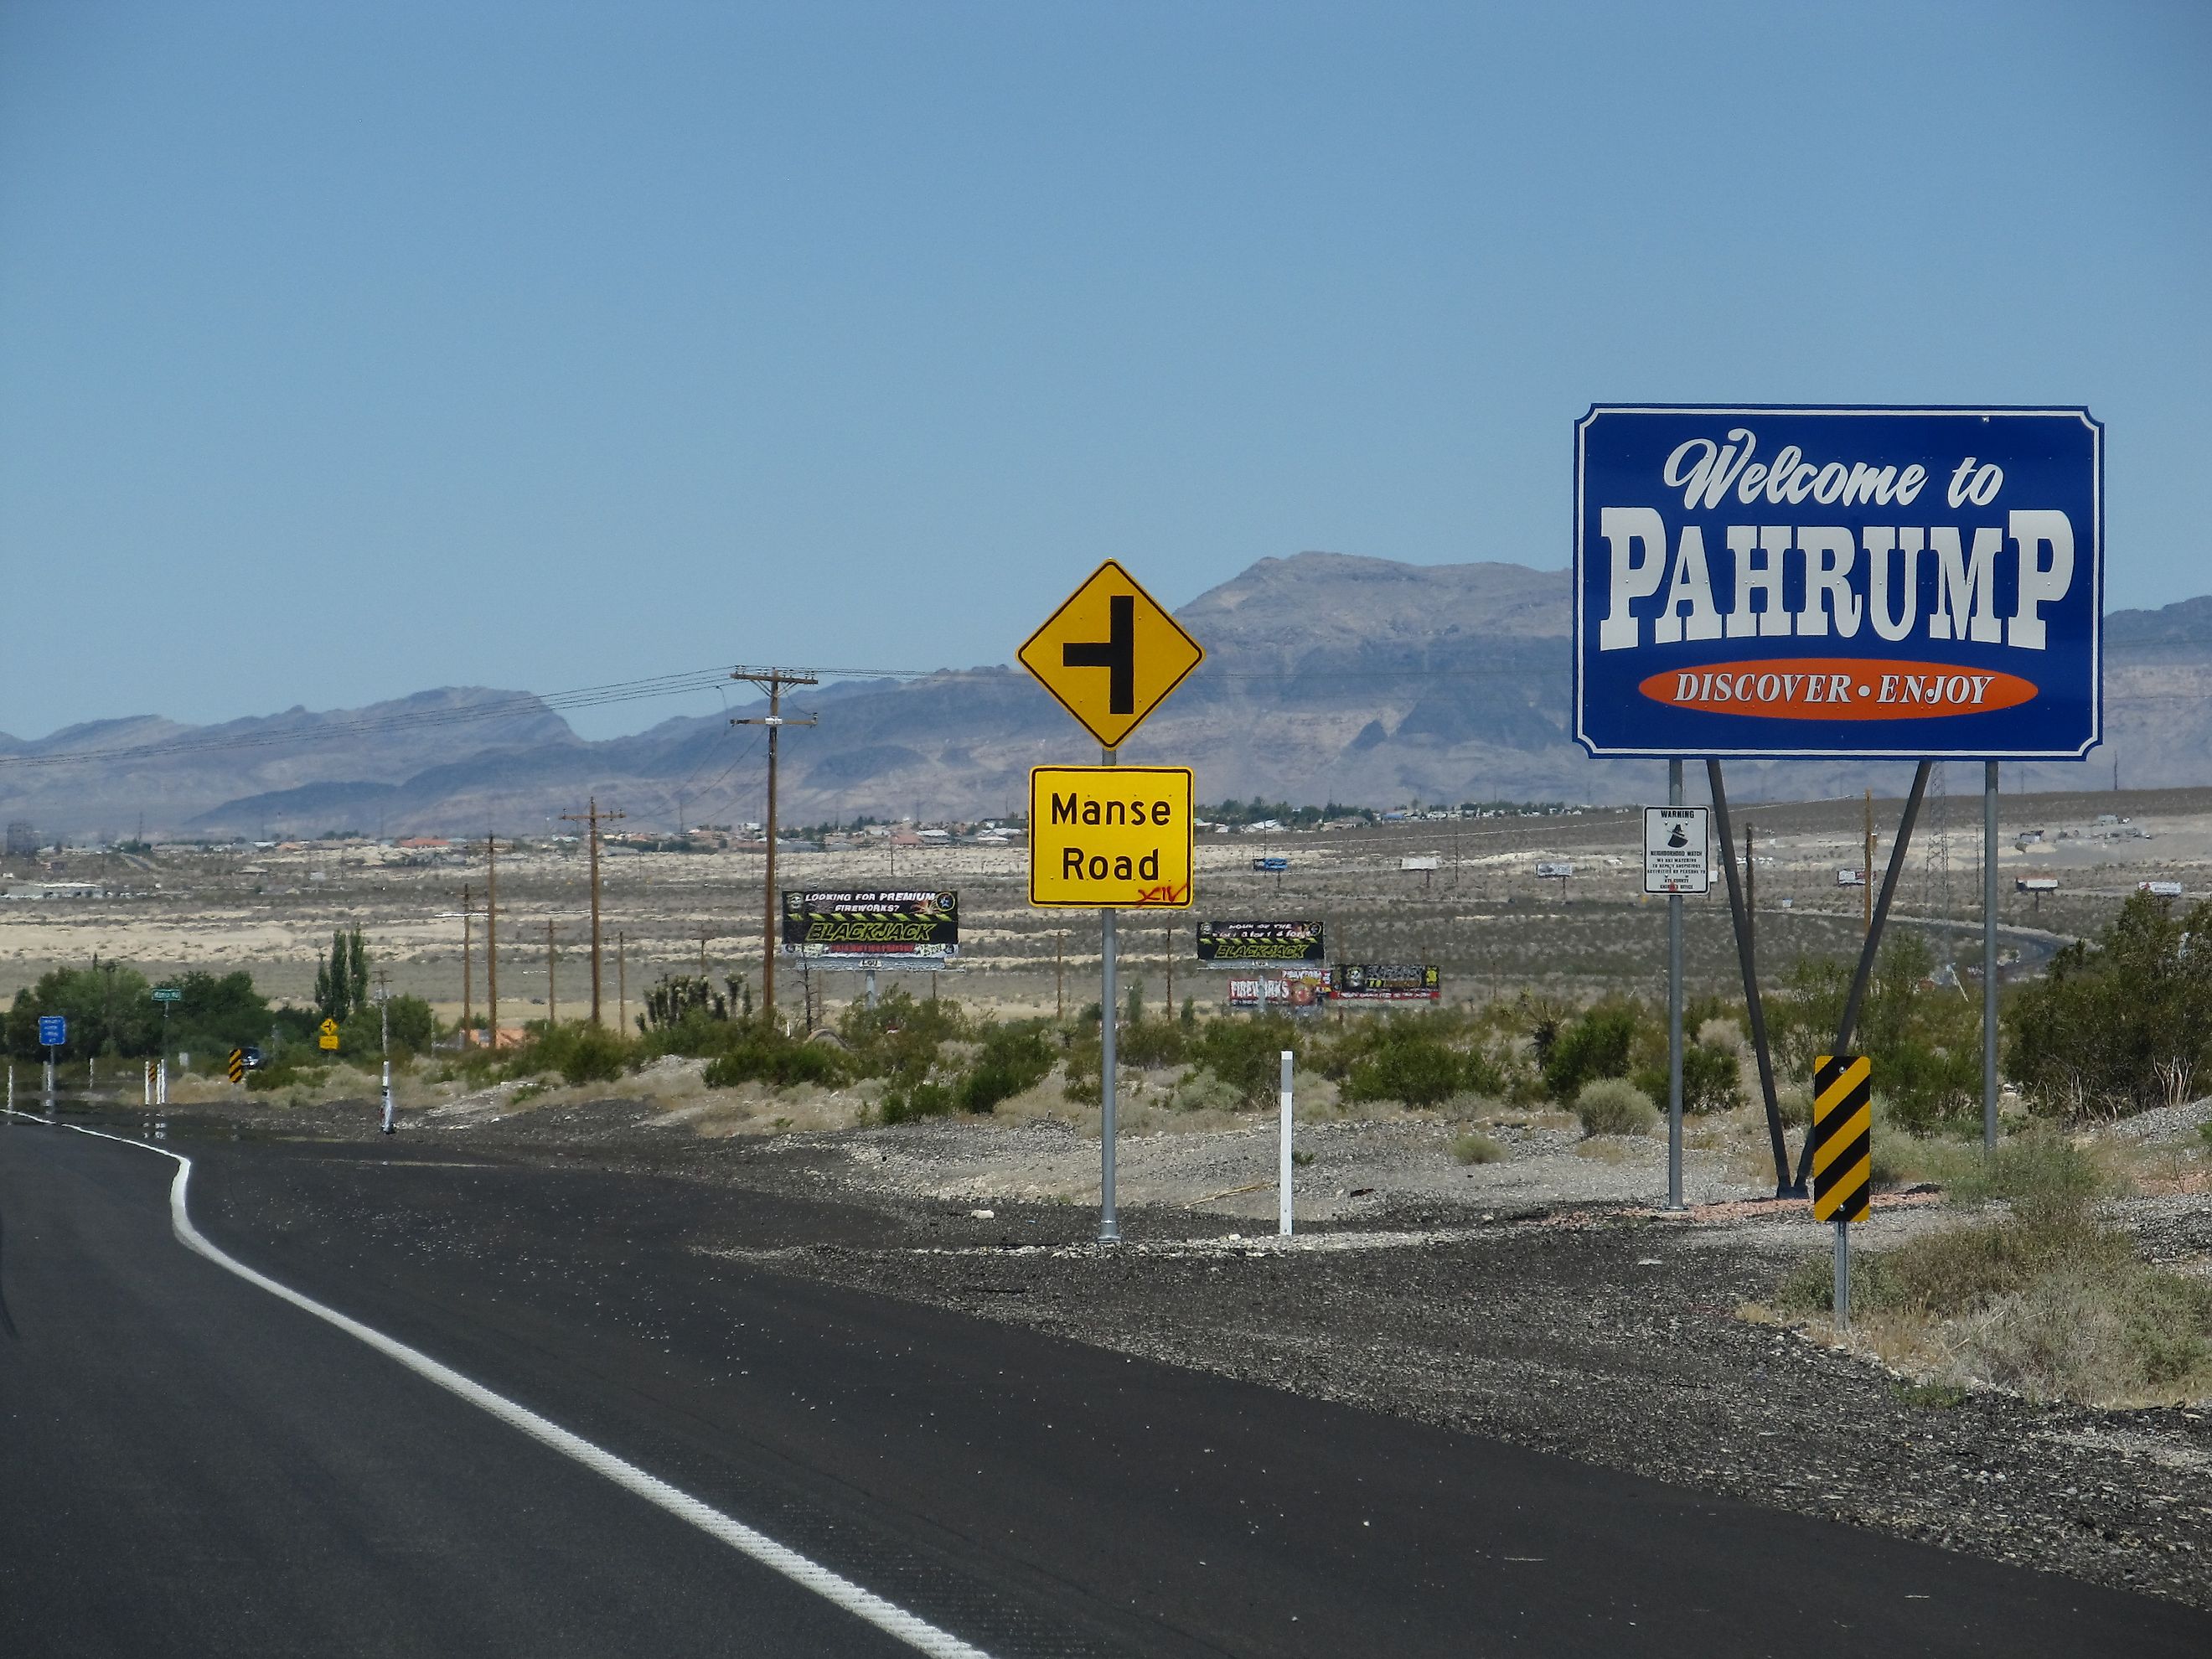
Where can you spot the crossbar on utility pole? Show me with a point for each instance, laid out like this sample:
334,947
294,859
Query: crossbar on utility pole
772,681
592,819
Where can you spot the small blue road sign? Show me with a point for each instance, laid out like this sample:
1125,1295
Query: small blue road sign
53,1030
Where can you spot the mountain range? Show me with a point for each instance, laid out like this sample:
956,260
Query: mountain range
1329,677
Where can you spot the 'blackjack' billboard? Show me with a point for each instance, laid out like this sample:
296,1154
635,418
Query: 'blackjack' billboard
1249,944
1775,581
861,928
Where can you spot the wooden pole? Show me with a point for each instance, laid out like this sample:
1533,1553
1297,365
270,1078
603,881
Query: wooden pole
491,938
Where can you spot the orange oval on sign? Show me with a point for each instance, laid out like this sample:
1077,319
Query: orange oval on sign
1838,689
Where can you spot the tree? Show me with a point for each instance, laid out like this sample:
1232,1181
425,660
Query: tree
342,977
109,1007
2121,1026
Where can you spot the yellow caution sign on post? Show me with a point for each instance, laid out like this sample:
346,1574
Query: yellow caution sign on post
329,1039
1843,1137
1110,654
1110,837
237,1066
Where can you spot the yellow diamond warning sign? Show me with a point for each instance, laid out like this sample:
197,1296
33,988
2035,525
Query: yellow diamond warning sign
1110,837
328,1036
1111,655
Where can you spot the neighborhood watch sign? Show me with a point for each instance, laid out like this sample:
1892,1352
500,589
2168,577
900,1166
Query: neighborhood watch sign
1875,582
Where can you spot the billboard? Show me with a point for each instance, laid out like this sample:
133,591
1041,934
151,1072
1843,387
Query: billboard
1783,581
871,927
1385,981
1301,990
1554,869
1242,944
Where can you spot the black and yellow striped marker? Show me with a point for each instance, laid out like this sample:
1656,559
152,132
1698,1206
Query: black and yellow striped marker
238,1065
1843,1137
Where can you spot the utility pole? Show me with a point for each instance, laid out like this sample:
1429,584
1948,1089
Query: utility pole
468,979
772,681
1750,890
593,818
1866,870
621,980
552,993
702,956
491,935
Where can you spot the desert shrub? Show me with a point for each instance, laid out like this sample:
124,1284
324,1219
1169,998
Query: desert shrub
1475,1147
1013,1058
762,1054
580,1053
1413,1066
1199,1090
2047,1180
918,1100
1247,1054
1151,1042
1614,1106
1597,1045
2121,1025
1710,1079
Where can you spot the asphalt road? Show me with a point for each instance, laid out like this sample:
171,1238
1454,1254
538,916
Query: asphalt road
191,1465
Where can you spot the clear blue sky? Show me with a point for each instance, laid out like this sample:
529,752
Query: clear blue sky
354,349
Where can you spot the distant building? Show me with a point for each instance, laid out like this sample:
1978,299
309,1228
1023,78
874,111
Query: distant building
22,840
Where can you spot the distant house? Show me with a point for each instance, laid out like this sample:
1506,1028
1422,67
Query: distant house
424,843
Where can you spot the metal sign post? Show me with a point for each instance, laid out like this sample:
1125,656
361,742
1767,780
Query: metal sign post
1110,655
1990,956
1286,1162
1677,860
1842,1147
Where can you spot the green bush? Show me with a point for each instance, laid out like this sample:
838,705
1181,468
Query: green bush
1151,1042
918,1100
1013,1058
1201,1091
1614,1106
2120,1026
1710,1079
761,1053
1475,1147
1413,1067
1247,1054
1597,1045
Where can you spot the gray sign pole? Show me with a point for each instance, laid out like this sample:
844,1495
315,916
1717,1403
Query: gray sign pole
1989,955
1673,1018
1109,1224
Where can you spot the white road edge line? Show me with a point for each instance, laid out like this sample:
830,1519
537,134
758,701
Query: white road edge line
886,1616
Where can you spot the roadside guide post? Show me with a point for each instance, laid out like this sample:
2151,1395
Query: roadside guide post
1676,860
1843,1163
1283,1173
1098,840
384,1048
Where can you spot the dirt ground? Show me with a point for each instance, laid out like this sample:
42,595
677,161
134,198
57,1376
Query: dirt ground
1548,1298
1484,915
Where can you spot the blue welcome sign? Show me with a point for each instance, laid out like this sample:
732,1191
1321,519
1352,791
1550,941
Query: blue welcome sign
1776,581
53,1030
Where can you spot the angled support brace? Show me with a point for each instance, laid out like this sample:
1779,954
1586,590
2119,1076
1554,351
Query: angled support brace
1873,946
1750,999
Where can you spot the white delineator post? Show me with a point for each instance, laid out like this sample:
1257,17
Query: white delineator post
1283,1172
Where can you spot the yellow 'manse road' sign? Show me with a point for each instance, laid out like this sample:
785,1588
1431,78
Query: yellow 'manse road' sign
1110,837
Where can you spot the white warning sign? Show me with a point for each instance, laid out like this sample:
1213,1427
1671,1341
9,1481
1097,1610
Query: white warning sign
1675,856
